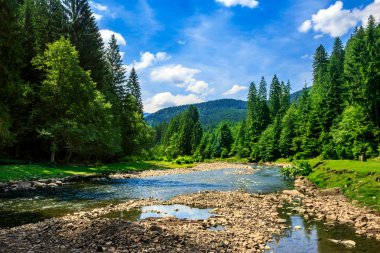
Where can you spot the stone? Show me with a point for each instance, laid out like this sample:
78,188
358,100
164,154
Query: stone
297,227
329,192
281,220
292,193
348,243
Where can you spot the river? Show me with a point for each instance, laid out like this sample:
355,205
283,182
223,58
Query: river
17,208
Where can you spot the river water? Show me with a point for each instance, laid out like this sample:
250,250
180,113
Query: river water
33,206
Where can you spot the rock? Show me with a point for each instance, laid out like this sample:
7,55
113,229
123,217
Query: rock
329,192
297,227
53,185
281,221
348,243
39,184
292,193
267,247
334,241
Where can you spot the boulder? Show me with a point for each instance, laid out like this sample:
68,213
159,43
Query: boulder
329,192
292,193
348,243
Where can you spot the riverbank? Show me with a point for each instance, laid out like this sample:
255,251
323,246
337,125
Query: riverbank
357,180
113,171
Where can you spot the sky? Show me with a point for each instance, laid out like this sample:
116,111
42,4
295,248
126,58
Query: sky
190,51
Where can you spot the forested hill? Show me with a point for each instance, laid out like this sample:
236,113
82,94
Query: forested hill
211,112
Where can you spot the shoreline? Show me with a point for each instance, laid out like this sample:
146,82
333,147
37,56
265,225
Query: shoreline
14,186
249,220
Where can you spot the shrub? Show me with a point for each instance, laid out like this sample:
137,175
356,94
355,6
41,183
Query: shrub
184,160
300,168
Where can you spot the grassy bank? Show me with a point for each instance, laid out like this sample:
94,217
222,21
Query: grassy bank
40,171
358,180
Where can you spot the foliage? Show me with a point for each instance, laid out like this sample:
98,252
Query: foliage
299,168
184,160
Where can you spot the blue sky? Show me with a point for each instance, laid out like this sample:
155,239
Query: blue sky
188,51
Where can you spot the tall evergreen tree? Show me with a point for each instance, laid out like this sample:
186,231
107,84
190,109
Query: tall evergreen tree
85,36
274,98
263,105
116,69
133,88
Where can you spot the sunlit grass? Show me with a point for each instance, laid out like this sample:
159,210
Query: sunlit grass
40,171
358,180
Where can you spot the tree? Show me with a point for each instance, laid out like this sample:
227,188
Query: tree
85,36
355,134
288,131
274,98
11,55
263,109
133,88
116,69
75,118
225,140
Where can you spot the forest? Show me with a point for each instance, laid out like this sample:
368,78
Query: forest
338,117
65,96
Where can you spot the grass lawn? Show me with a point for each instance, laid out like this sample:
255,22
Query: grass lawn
40,171
358,180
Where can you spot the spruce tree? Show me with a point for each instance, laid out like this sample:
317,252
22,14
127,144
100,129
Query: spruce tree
133,88
263,109
116,69
85,36
274,98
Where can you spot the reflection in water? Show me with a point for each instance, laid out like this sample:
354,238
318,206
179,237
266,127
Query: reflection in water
314,237
160,211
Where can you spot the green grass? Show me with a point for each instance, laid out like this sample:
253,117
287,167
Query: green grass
358,180
41,171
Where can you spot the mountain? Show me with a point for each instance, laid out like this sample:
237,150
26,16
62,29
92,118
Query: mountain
211,112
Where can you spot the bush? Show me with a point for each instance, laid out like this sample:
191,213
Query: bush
184,160
300,168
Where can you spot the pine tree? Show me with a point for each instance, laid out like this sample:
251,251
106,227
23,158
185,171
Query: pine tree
333,90
133,88
263,106
116,69
85,36
274,98
372,70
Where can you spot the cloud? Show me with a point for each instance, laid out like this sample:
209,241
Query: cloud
181,42
245,3
305,27
182,77
147,59
235,89
166,99
98,6
106,36
97,16
199,87
337,21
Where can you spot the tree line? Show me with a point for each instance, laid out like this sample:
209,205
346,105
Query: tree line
338,117
64,95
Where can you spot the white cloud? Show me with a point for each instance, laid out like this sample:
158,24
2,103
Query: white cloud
147,59
318,36
106,36
244,3
97,16
182,77
98,6
173,73
166,99
181,42
337,21
305,27
199,87
235,89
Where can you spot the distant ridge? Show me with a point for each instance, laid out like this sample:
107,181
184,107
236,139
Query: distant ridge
211,112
